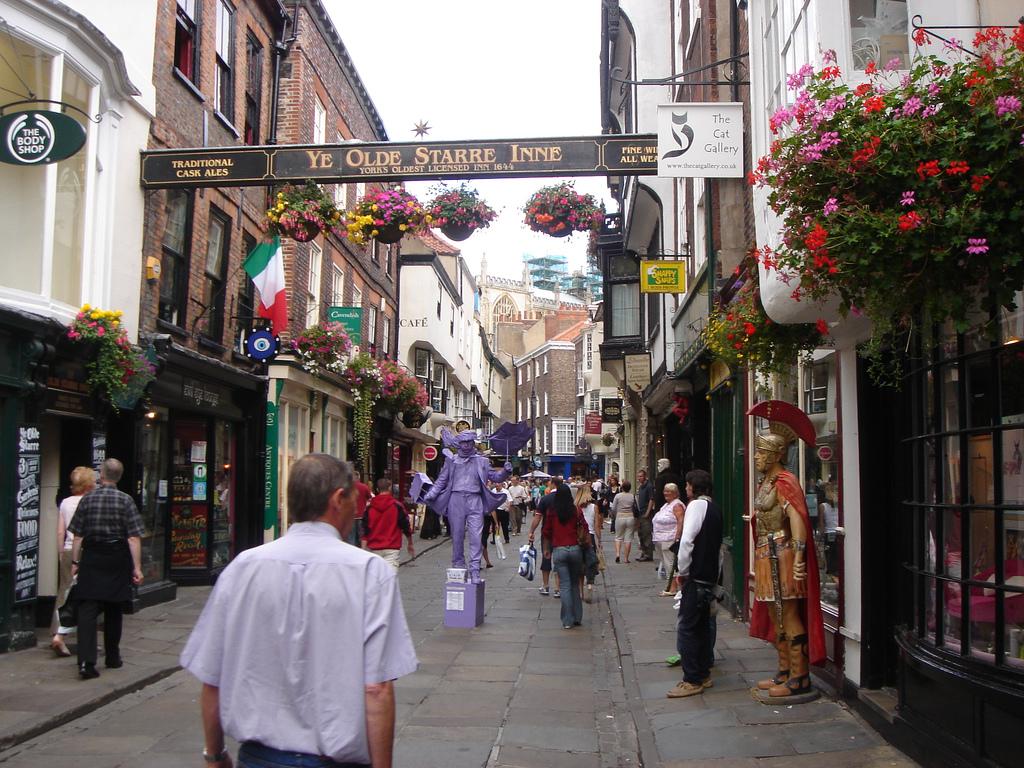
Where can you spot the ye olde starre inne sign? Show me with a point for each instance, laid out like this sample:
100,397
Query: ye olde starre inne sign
635,155
700,140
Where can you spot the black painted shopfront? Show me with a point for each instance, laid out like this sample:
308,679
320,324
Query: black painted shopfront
944,520
200,467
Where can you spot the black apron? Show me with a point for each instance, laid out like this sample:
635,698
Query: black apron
105,571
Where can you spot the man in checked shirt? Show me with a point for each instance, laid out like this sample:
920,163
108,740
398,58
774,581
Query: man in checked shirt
106,557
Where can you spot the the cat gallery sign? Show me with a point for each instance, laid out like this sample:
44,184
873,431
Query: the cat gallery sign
700,139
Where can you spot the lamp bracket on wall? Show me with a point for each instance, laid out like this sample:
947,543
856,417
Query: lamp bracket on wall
673,79
96,119
917,23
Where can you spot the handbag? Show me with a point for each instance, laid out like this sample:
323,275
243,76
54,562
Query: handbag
68,612
674,548
600,561
582,531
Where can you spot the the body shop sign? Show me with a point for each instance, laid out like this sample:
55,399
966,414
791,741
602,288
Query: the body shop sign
38,137
700,140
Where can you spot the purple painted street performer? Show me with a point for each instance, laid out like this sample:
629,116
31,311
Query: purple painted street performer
460,493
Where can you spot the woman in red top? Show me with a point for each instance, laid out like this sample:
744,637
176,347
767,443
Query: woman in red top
566,556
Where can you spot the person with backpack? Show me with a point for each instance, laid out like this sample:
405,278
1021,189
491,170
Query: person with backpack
384,523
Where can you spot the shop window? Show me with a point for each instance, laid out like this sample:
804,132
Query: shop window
222,524
224,77
253,88
968,568
154,499
218,242
878,32
245,310
816,388
186,40
174,267
44,213
190,496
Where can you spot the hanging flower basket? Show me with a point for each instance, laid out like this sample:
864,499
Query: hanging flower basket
302,213
365,379
400,390
459,212
118,371
559,210
742,335
323,348
385,215
903,196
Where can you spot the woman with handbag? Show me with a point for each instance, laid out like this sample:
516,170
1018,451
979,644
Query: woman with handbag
667,528
566,529
83,480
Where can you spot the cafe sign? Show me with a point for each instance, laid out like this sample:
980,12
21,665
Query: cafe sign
39,137
634,155
611,410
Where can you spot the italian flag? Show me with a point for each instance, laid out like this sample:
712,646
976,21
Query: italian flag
265,265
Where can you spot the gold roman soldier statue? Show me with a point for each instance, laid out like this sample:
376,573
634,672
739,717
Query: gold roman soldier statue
787,603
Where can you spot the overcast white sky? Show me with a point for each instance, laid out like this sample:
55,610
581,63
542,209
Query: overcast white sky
476,69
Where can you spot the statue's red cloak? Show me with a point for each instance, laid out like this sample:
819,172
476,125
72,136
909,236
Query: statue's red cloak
788,489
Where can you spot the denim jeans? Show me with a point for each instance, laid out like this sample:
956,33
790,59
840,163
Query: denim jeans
568,562
255,755
693,638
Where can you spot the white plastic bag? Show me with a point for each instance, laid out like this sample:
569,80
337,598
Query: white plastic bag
527,561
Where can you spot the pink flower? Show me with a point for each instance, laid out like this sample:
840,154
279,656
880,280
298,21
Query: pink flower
893,64
1007,105
977,245
907,198
830,207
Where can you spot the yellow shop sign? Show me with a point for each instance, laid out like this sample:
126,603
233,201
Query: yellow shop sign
662,277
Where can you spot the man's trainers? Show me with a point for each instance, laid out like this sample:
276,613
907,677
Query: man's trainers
707,683
545,591
557,593
684,689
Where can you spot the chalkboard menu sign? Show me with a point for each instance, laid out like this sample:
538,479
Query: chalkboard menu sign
189,523
26,515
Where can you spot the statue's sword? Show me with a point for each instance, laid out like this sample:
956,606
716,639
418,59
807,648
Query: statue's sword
773,559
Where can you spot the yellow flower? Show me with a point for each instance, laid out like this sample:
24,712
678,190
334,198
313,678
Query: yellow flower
402,227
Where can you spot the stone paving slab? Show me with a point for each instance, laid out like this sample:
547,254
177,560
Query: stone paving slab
526,757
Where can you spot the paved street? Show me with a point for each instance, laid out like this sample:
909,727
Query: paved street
517,692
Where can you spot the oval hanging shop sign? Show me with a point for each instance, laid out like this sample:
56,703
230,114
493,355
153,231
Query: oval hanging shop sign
38,137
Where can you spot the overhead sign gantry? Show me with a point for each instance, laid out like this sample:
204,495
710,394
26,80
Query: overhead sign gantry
611,155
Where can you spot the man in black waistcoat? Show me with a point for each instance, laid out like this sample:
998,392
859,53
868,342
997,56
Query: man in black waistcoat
698,579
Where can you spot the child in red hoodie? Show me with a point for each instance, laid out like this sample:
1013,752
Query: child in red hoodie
384,523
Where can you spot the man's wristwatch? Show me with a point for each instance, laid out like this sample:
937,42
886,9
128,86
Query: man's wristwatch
216,757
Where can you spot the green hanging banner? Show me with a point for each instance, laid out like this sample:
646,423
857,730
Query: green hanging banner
270,507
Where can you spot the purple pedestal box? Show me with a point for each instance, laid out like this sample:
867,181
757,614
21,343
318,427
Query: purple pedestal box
463,604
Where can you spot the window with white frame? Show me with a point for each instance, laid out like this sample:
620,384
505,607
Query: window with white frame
519,376
788,45
565,437
545,403
519,411
186,39
44,215
357,296
536,368
579,378
224,85
545,363
371,329
594,406
385,340
319,121
337,285
547,441
313,285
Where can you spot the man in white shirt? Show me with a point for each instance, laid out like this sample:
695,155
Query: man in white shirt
519,496
306,618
